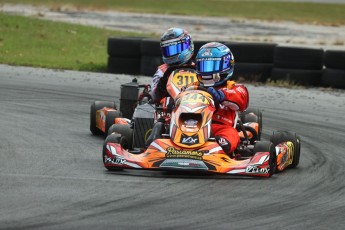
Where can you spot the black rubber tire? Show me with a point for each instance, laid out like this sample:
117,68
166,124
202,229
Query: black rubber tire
123,130
267,146
124,47
284,136
247,116
124,65
298,58
157,131
150,47
252,72
109,119
334,78
113,138
149,65
97,105
335,59
297,76
253,52
142,130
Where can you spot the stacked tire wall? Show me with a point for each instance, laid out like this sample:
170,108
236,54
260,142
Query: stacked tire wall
300,65
334,73
124,55
255,62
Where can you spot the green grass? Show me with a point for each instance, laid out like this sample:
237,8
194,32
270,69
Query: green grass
330,14
34,42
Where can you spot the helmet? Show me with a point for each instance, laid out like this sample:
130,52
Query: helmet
214,64
177,46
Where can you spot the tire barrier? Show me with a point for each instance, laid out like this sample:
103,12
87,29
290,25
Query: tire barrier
128,47
335,59
254,61
304,77
150,56
334,73
124,55
334,78
298,58
298,65
124,65
253,52
149,65
253,72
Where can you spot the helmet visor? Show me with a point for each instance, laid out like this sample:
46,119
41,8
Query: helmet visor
213,65
173,48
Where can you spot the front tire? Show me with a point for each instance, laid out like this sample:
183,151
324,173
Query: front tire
124,130
284,136
267,146
113,138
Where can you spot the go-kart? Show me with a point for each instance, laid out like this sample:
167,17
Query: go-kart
181,138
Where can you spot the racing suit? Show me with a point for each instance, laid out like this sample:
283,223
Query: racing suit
225,118
158,84
156,92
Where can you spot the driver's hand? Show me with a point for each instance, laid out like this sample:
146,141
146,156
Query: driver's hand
218,95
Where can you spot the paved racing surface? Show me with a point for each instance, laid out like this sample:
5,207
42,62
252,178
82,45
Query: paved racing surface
52,177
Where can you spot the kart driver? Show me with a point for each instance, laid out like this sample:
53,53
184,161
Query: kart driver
177,50
214,67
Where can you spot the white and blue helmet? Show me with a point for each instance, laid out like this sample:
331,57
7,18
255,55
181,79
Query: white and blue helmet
214,64
177,46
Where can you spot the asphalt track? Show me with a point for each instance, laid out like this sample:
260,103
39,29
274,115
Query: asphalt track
52,177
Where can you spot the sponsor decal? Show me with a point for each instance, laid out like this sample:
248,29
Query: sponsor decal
285,154
211,59
169,44
147,134
189,140
253,169
188,154
116,161
221,141
207,53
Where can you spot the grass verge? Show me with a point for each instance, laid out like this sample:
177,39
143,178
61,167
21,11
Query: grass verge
318,13
35,42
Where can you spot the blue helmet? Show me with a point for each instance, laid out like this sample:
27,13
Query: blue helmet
214,64
177,46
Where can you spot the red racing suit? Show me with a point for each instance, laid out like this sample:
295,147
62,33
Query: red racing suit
225,118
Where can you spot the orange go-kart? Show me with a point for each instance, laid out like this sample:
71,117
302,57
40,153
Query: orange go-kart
181,138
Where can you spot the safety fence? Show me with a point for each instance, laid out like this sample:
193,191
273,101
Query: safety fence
253,61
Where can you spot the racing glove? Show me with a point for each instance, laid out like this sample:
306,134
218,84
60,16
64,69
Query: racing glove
218,95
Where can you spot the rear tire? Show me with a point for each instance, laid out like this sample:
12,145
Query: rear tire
284,136
97,105
267,146
110,119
